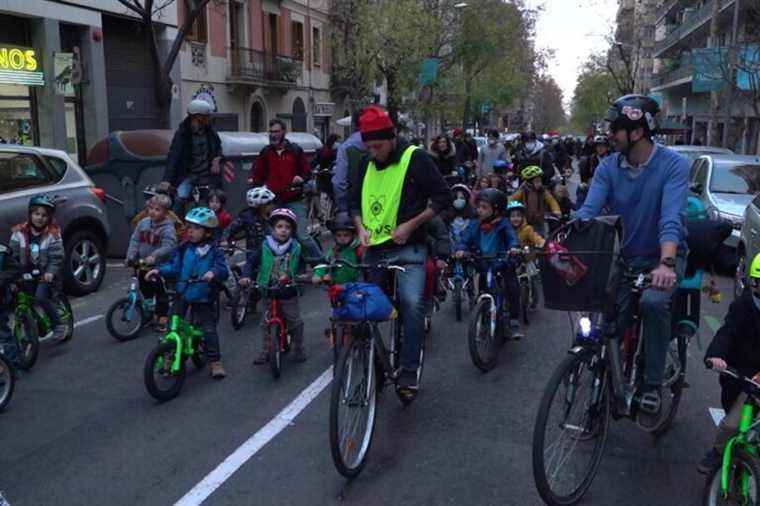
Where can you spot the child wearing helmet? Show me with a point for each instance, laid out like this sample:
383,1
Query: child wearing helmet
199,267
36,244
492,235
536,199
526,234
735,345
251,225
152,240
280,262
347,247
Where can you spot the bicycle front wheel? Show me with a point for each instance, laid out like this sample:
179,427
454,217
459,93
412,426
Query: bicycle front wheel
239,309
570,431
353,403
457,297
675,377
7,381
124,320
275,350
162,384
743,482
481,339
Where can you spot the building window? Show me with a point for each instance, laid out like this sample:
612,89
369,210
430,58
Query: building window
299,115
316,46
198,31
17,115
296,30
273,35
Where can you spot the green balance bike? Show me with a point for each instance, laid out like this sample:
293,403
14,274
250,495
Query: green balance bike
737,480
31,325
165,366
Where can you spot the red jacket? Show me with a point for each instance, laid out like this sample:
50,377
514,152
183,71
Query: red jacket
224,219
277,171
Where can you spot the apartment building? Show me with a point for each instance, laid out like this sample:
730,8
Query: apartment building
261,59
690,69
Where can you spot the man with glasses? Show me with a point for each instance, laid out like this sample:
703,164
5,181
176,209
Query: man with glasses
399,189
646,184
282,166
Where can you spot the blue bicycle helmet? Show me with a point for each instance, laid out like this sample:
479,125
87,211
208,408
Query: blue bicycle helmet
500,165
515,205
42,201
203,216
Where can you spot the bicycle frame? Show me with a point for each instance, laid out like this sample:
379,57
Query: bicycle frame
747,423
274,317
495,295
26,303
184,336
458,273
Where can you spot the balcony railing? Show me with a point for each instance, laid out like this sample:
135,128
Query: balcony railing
691,21
246,64
669,76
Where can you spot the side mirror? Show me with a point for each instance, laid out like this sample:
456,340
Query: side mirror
696,187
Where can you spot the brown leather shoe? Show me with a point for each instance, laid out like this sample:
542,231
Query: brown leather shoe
217,371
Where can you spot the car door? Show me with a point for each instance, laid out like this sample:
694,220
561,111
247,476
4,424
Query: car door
22,175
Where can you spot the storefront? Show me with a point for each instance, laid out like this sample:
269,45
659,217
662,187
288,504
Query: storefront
20,74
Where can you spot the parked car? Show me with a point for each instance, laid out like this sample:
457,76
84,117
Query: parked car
125,163
727,185
26,171
694,152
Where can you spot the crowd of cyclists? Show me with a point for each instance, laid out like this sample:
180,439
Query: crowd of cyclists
397,200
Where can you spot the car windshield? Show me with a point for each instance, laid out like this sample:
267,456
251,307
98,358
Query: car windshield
737,178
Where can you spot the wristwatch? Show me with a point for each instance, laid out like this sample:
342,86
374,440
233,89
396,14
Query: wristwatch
668,262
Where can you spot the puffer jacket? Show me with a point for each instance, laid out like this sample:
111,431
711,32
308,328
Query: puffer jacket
488,240
253,228
191,261
50,259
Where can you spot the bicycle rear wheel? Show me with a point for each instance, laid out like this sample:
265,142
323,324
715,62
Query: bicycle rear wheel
353,403
743,482
25,331
7,381
481,339
674,379
564,464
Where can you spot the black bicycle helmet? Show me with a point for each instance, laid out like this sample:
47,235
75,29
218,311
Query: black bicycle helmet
497,198
343,222
630,112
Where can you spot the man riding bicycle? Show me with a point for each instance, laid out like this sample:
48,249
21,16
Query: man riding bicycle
195,155
390,209
646,184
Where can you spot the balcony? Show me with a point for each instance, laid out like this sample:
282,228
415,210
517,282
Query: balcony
668,78
692,20
251,66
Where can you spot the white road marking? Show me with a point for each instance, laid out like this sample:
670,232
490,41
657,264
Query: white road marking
717,415
116,266
248,449
88,320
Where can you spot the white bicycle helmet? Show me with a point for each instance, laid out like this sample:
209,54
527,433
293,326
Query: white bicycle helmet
286,214
199,106
259,196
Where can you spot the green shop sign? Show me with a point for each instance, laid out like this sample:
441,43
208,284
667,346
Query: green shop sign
20,65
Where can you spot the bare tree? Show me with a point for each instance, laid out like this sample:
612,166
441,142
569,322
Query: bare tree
146,10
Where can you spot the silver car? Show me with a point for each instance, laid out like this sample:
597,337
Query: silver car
80,212
693,152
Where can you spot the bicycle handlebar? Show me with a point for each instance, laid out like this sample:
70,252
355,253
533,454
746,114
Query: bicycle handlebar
390,264
734,373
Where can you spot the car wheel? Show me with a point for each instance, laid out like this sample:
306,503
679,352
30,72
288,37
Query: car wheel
85,263
740,276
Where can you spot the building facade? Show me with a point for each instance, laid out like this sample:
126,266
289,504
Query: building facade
692,41
631,54
72,71
256,60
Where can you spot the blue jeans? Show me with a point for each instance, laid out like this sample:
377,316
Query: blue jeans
410,287
309,244
44,295
655,310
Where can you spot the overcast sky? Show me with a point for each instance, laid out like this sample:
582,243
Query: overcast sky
574,29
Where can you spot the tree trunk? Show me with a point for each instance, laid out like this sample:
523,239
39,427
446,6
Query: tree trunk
390,79
467,101
712,125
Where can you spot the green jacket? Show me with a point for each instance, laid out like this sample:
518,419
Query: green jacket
268,258
352,253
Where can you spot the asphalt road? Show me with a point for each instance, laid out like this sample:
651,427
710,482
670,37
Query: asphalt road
82,430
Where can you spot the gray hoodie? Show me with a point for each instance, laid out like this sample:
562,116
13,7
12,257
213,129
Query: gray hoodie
150,239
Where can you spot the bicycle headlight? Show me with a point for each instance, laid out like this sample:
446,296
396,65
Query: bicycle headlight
585,326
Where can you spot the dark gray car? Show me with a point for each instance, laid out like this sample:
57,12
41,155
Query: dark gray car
26,171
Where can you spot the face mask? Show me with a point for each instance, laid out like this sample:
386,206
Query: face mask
491,142
530,145
459,204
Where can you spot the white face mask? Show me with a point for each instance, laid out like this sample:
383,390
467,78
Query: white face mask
459,204
530,145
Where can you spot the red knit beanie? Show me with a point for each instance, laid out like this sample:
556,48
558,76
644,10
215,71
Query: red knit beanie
375,124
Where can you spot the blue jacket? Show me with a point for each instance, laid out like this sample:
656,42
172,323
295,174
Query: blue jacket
497,241
652,205
186,263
